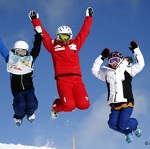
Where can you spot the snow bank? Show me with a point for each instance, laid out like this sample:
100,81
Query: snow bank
19,146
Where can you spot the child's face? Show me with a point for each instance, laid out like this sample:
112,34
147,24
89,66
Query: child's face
21,52
114,65
64,39
114,62
64,42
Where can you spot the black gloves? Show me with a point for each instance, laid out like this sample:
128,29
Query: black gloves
105,53
89,11
33,15
133,45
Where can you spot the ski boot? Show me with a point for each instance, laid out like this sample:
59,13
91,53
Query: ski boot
31,118
128,137
137,132
54,114
18,122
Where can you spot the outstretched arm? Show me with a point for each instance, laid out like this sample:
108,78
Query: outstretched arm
4,51
47,40
84,31
36,45
96,71
138,66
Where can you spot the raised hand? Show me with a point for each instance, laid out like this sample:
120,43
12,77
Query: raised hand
33,15
133,45
105,53
89,11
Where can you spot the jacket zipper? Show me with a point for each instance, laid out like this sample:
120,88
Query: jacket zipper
115,97
22,82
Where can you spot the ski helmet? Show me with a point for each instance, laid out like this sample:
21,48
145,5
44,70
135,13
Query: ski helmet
21,45
63,30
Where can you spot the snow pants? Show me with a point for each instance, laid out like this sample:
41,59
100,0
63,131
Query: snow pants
72,94
119,120
24,103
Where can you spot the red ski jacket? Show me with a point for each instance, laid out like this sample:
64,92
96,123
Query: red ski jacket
65,58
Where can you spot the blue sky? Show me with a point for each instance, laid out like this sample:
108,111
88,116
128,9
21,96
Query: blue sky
115,24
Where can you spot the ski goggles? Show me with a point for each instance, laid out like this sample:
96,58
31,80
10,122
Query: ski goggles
21,52
114,59
64,36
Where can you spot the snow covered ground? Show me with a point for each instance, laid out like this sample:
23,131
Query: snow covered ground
19,146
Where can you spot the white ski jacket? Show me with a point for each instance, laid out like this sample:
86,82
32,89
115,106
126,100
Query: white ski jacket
119,80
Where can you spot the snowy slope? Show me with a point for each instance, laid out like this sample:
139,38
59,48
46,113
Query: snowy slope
19,146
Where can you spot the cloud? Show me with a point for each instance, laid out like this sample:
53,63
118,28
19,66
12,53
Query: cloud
95,124
141,101
56,10
93,131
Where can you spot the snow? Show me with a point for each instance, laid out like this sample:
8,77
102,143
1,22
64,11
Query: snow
19,146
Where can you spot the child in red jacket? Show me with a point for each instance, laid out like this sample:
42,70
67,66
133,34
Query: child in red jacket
64,52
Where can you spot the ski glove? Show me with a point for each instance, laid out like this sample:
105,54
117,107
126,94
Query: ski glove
89,11
129,59
33,15
105,53
133,45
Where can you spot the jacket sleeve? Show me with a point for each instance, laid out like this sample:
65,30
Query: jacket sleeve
47,40
4,51
36,46
84,31
96,71
138,66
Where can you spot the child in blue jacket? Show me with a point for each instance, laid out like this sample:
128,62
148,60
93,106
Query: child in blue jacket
19,65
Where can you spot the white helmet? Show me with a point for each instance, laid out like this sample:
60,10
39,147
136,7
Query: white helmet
21,45
63,30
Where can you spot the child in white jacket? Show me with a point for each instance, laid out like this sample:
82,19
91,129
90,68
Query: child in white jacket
118,77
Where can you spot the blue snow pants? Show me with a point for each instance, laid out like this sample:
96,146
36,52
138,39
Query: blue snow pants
119,120
24,103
